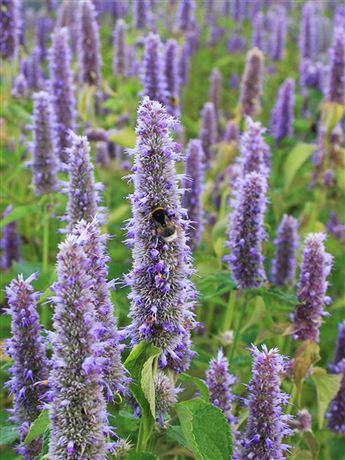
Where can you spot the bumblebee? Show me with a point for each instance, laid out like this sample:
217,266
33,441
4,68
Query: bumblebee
165,227
174,101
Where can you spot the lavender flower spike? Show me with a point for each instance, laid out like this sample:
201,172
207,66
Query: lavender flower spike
254,150
340,345
284,263
44,163
283,112
267,426
172,77
140,10
336,87
78,410
62,90
186,15
153,77
9,24
120,51
215,92
183,64
30,370
161,291
208,129
336,414
252,81
219,382
94,245
312,286
278,33
83,196
10,242
165,395
193,184
258,38
231,133
247,233
89,53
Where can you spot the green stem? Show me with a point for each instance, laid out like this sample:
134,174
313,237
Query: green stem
209,318
45,253
229,313
238,327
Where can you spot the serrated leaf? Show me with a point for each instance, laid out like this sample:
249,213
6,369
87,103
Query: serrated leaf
206,430
38,427
174,432
147,380
327,386
8,434
200,384
296,157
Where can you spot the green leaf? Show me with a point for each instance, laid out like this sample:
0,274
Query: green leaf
174,432
206,430
327,386
124,138
18,213
38,427
138,357
332,113
200,384
306,355
312,443
147,380
140,456
8,434
296,157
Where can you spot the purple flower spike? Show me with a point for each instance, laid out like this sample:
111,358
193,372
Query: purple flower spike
102,157
336,414
44,160
258,38
140,13
162,294
303,420
30,369
312,286
83,196
62,90
186,15
283,112
267,426
9,25
254,150
208,130
193,184
278,33
172,77
10,242
183,64
231,133
153,77
252,81
284,263
335,227
34,73
247,233
336,86
165,395
215,92
78,410
219,382
120,49
20,86
308,32
94,245
339,354
89,52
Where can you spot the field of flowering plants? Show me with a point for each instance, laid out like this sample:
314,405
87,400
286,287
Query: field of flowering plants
173,236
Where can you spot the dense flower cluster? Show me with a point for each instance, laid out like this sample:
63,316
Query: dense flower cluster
44,152
336,86
30,369
215,92
10,242
312,286
78,410
83,196
120,49
193,184
62,90
89,53
283,112
336,414
252,81
161,292
153,77
165,395
208,130
247,233
284,263
9,22
172,77
267,426
219,382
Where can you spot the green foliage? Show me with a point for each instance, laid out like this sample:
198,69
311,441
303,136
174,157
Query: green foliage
38,427
206,430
